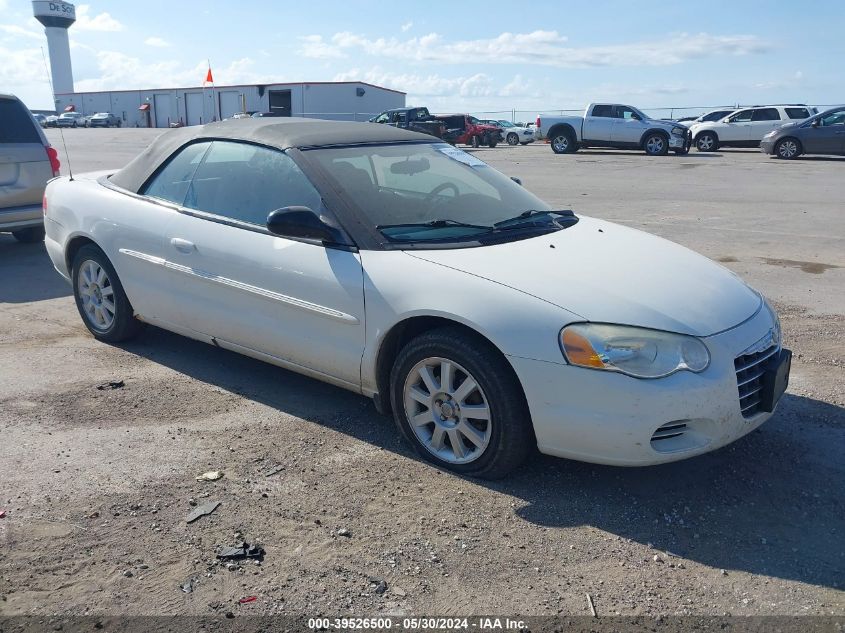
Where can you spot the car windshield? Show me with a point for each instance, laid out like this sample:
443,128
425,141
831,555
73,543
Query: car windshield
432,192
505,124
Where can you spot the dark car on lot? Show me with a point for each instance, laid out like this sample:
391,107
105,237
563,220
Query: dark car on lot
414,119
104,119
820,134
27,162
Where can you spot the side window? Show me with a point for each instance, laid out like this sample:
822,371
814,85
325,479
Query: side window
15,124
246,182
603,111
766,114
382,118
797,113
834,118
624,112
171,182
742,117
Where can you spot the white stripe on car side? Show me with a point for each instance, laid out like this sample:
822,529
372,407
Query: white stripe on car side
263,292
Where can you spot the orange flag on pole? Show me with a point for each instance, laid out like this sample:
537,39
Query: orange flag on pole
208,78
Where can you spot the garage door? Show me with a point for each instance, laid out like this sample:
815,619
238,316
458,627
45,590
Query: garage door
193,108
161,105
230,102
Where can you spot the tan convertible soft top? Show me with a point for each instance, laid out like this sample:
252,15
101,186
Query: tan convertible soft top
281,133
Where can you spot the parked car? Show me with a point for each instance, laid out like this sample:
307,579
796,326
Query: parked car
258,115
104,119
70,119
468,130
745,127
821,134
713,115
414,119
613,125
40,119
27,162
397,266
513,133
51,120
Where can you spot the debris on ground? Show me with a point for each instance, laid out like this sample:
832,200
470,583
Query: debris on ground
591,605
199,511
211,475
188,585
344,532
2,514
274,471
378,585
242,550
112,384
247,599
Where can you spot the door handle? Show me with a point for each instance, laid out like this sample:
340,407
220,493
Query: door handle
183,246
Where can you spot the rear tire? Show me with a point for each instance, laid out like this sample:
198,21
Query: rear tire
563,143
100,298
788,148
29,236
656,144
492,144
432,412
706,142
512,139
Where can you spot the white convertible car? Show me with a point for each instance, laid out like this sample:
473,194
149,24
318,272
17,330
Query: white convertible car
397,266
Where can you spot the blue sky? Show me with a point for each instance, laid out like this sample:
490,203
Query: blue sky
472,56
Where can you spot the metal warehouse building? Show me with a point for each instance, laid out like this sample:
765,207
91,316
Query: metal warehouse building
345,100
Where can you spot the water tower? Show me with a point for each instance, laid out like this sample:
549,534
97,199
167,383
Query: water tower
57,18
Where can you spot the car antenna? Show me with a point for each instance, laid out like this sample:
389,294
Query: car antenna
61,133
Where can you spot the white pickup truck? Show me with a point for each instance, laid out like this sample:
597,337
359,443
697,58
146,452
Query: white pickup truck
613,125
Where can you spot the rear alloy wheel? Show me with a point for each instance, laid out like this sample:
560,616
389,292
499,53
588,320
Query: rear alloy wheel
100,298
788,148
459,403
29,236
563,143
513,139
706,142
656,145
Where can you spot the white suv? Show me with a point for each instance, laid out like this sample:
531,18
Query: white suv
745,127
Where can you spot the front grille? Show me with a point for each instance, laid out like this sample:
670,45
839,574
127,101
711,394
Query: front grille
749,379
669,430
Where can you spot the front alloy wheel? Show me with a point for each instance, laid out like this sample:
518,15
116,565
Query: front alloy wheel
656,145
787,149
705,142
447,410
513,139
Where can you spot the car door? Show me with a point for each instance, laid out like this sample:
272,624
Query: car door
826,135
737,128
628,126
763,121
257,293
598,124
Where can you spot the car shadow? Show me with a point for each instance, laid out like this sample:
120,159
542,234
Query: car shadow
770,503
28,273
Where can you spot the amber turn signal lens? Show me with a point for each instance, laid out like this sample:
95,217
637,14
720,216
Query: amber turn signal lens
579,351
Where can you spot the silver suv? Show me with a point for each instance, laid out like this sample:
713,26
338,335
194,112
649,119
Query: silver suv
27,162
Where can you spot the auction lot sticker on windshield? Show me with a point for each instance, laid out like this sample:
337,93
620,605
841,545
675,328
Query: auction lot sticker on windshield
461,156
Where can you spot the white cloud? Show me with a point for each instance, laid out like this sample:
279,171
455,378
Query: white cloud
407,26
547,48
157,42
314,47
18,31
100,22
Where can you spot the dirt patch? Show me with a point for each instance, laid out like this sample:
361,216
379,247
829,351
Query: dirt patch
814,268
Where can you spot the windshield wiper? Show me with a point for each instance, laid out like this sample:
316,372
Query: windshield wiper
557,219
436,224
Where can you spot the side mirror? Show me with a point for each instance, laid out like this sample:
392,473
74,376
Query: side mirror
816,122
516,180
300,222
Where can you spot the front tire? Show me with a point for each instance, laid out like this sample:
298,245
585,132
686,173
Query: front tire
30,235
475,142
788,148
656,145
100,298
459,403
492,144
706,142
512,139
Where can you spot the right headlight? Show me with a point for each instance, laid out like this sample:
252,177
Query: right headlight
679,131
633,351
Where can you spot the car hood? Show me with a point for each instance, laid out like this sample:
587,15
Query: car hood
605,272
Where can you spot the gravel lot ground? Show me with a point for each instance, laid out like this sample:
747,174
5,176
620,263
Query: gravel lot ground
96,484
